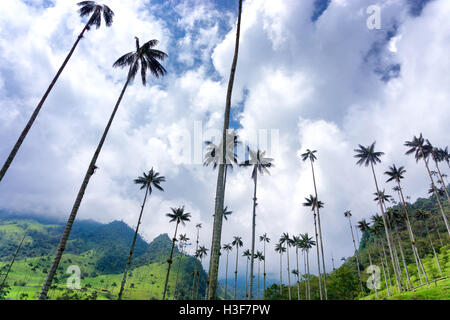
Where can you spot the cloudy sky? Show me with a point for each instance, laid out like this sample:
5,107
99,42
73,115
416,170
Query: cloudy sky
310,72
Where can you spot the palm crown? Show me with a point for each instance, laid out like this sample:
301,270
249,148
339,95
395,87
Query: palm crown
367,155
363,225
279,248
247,254
347,214
146,58
307,241
258,161
264,238
380,195
88,7
151,179
237,242
179,216
309,155
313,203
227,247
214,153
417,145
395,173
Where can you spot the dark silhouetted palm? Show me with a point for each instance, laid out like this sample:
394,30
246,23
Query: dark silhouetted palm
146,58
237,242
87,8
227,248
287,243
147,182
264,239
280,249
260,257
247,255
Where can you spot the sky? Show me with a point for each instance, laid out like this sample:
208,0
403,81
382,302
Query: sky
310,74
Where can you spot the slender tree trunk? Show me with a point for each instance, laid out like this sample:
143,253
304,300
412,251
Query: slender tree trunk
236,272
387,265
370,262
178,272
127,266
259,271
384,271
403,257
288,270
437,231
356,255
246,281
36,111
12,261
436,193
298,274
397,278
170,261
318,257
264,293
306,279
320,236
218,217
226,279
432,247
309,275
253,237
281,273
76,206
442,179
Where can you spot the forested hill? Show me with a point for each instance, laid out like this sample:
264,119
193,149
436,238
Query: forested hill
101,251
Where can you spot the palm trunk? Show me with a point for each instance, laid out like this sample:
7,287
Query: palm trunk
309,275
178,271
264,293
397,278
226,279
281,273
387,265
259,271
432,247
384,270
442,179
12,261
218,217
246,281
127,266
288,270
356,255
437,231
320,236
318,257
403,257
436,193
170,261
36,111
76,206
236,272
252,258
370,262
298,274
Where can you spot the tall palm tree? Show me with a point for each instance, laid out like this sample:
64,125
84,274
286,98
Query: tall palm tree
12,261
445,156
147,59
246,254
363,225
348,215
183,239
314,203
147,181
260,257
424,216
87,8
220,192
264,239
368,156
396,174
287,243
422,151
200,254
307,244
280,249
297,243
310,155
237,242
227,248
378,230
437,156
259,163
178,216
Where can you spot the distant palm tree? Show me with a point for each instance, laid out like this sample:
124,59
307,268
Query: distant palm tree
310,155
198,226
348,215
368,156
365,228
246,254
2,285
396,174
296,241
287,243
260,257
227,248
307,244
87,8
445,156
237,242
259,163
437,156
178,216
146,182
280,249
377,230
422,151
424,216
200,254
264,239
220,191
146,58
183,239
314,203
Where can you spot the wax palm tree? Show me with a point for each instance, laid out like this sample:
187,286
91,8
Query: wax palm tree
313,203
198,226
284,239
264,239
280,249
96,11
183,239
396,174
201,253
147,59
364,226
237,242
437,156
296,241
178,216
348,215
422,151
247,255
368,156
424,216
261,164
2,285
307,244
227,248
260,257
445,156
377,230
220,191
147,182
310,155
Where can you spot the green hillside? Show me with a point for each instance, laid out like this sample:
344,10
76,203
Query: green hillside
101,252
